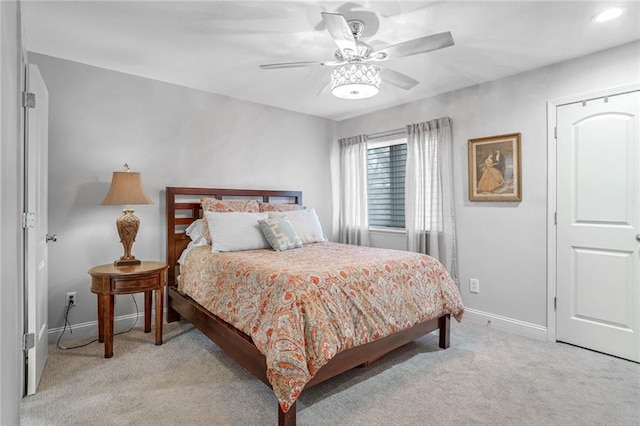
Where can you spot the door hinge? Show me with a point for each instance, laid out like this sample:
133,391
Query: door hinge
28,220
555,304
555,132
555,218
28,100
28,341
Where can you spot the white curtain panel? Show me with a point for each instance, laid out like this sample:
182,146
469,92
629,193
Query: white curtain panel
353,223
429,192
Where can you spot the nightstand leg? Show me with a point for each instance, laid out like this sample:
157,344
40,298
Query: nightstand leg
147,311
107,323
159,314
100,320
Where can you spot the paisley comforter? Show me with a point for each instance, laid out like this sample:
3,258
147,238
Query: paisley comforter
301,307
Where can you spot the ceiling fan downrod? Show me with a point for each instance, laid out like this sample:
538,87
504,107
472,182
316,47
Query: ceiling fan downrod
357,27
362,49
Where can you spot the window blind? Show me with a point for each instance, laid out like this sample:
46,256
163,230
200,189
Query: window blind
385,185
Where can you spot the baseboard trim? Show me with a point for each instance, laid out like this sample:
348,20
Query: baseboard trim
90,328
123,322
510,325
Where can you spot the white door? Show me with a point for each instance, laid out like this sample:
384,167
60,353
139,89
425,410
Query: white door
598,225
36,155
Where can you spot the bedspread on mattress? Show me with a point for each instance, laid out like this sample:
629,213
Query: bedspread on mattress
301,307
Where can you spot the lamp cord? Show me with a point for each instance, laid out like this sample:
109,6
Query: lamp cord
66,321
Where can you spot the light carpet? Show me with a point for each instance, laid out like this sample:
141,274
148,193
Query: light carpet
487,376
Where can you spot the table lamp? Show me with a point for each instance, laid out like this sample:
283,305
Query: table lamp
126,189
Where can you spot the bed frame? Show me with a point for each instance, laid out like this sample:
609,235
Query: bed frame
234,342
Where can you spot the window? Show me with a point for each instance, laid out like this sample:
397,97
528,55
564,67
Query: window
386,167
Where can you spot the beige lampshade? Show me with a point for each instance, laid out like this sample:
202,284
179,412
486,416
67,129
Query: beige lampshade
126,189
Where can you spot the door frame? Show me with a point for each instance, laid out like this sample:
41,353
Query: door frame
551,190
24,70
23,208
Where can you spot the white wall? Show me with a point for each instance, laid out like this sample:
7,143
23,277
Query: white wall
11,324
178,136
174,136
504,244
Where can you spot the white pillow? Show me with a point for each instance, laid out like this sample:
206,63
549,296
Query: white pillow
236,231
305,223
194,231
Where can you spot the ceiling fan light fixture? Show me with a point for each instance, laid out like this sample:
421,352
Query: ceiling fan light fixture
355,81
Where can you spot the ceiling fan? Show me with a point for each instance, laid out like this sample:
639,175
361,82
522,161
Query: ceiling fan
353,75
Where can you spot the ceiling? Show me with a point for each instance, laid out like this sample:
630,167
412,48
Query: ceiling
217,46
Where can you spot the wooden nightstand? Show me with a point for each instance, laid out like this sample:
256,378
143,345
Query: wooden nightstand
109,280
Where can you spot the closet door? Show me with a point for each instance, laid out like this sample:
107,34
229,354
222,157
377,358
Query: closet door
598,225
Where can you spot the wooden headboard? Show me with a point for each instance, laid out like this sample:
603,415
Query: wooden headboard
183,207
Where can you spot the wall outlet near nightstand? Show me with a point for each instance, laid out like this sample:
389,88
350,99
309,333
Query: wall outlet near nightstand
474,285
70,299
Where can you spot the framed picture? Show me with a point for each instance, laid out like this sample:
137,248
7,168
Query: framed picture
494,168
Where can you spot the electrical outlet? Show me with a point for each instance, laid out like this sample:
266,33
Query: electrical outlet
474,285
70,299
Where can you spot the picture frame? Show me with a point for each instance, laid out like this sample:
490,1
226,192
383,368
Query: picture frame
495,168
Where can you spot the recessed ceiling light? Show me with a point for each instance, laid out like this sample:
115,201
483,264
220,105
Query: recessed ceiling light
609,14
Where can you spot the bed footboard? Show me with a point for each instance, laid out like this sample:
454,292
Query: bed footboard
240,347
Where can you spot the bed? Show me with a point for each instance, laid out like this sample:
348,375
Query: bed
293,350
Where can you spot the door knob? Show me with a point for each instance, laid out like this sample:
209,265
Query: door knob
638,237
53,238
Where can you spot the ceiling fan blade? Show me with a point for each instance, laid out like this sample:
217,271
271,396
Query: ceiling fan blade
398,79
290,65
339,30
418,45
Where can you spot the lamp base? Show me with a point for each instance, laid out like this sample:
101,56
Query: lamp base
127,225
126,262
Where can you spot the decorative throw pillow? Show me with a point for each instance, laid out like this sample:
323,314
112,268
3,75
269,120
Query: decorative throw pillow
279,207
306,224
236,231
280,234
215,205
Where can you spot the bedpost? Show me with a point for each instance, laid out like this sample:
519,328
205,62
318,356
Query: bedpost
444,325
288,418
172,314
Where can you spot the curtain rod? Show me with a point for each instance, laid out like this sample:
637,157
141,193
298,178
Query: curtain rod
394,132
